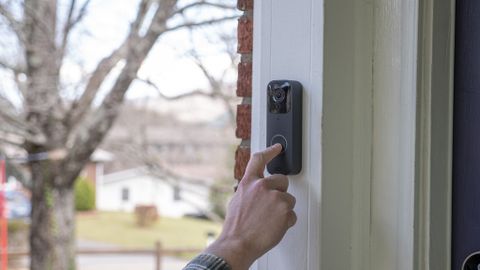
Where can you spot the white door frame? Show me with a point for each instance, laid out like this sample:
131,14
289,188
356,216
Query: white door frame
288,45
373,130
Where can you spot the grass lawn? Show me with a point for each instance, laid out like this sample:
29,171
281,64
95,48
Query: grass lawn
120,229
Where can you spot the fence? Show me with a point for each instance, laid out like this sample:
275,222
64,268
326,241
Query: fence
158,252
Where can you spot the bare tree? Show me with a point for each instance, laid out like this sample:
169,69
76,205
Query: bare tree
46,122
219,87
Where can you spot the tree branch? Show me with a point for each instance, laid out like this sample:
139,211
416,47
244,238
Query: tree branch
86,139
16,125
33,20
81,13
70,24
143,8
12,142
66,28
202,23
80,107
15,25
14,121
177,97
15,69
204,3
216,85
215,94
14,168
36,139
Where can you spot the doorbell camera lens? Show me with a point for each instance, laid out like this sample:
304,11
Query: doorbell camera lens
279,95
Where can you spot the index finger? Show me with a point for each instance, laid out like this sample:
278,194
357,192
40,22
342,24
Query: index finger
259,160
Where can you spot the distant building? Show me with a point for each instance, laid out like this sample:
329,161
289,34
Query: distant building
122,191
93,170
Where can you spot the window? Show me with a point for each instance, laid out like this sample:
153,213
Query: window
125,194
176,193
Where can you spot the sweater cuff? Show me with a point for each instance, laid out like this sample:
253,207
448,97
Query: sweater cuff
207,262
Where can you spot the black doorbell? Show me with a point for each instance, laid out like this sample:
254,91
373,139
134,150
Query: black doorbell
284,125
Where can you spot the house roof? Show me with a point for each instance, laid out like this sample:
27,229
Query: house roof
127,175
21,156
101,156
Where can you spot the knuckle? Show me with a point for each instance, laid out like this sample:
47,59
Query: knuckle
277,196
292,199
257,156
286,202
282,180
285,206
262,184
292,218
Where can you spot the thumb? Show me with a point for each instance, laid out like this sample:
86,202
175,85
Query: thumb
259,160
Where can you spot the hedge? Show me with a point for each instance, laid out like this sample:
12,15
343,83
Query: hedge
84,195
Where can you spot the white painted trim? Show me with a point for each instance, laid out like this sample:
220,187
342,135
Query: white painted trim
347,135
394,102
434,136
356,195
288,44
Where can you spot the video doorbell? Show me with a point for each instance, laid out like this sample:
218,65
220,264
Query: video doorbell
284,125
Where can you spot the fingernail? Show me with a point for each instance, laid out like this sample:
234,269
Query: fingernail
277,145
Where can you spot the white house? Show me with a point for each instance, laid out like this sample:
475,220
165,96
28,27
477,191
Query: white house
122,191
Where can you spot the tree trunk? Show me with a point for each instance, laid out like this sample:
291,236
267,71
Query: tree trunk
52,238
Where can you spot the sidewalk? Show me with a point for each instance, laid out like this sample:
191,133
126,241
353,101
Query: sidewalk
122,262
116,262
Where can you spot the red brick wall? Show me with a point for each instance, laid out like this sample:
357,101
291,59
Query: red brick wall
244,86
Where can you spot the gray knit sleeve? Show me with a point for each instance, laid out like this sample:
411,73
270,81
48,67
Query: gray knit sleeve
207,262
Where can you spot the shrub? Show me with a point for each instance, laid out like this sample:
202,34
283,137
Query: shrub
146,215
220,194
84,195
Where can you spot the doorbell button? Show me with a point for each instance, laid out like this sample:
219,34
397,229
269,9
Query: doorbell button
281,140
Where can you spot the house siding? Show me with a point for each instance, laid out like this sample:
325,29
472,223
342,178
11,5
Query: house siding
148,190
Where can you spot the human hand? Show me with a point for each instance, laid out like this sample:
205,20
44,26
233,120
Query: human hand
258,216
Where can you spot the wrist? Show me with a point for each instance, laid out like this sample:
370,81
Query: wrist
234,251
